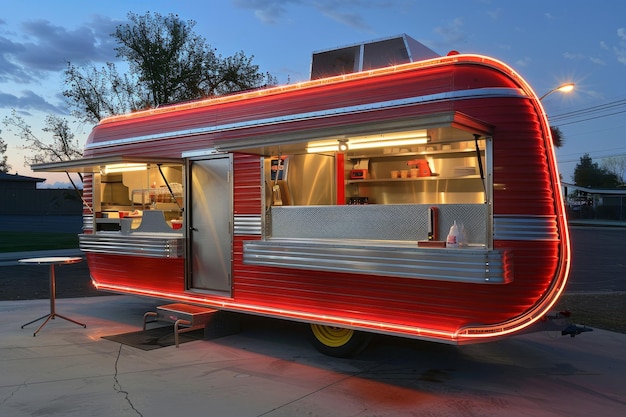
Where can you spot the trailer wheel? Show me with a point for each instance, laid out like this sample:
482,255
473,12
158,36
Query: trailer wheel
337,341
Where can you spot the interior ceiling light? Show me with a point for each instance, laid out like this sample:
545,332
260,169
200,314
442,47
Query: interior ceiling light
418,137
116,168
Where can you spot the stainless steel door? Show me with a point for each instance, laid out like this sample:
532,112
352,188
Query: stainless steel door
210,225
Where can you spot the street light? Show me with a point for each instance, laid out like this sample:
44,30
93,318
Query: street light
563,88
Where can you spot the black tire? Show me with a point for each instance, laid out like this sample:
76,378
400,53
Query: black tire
337,341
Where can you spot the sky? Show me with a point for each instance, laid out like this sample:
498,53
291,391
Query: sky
548,42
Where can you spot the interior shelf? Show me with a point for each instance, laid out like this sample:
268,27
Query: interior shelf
431,178
439,153
381,177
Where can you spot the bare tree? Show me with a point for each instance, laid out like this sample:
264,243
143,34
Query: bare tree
4,166
64,146
236,73
616,165
95,93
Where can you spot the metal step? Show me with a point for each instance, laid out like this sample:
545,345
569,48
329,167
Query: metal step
185,317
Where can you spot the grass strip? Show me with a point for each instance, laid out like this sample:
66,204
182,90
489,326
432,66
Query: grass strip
33,241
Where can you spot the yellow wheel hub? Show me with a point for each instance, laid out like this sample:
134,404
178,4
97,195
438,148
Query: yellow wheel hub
332,336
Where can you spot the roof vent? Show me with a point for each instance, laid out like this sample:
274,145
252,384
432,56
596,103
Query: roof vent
368,55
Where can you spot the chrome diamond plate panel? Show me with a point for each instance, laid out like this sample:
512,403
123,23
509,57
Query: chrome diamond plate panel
404,222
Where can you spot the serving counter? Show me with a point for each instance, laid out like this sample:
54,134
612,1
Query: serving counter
470,264
149,236
380,240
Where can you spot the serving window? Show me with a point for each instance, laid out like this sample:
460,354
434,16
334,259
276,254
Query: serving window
380,182
130,190
441,170
119,187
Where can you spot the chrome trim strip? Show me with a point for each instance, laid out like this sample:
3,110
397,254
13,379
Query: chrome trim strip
200,153
381,105
92,164
468,265
145,245
87,222
531,228
247,224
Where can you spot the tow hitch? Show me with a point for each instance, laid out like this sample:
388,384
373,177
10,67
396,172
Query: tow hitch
573,330
561,318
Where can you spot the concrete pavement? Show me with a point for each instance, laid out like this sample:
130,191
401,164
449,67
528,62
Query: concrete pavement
269,369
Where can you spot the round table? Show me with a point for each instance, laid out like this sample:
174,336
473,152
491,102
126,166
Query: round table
52,262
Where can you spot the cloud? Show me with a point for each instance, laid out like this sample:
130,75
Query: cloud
44,47
28,101
452,32
345,12
581,57
597,61
573,55
332,9
620,55
620,51
9,70
267,11
494,14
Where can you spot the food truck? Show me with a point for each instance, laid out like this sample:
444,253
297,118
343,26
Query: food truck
396,192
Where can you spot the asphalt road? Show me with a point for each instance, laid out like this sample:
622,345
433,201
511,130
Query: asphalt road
598,259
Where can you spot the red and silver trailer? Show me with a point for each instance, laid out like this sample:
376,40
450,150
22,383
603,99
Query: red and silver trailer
330,201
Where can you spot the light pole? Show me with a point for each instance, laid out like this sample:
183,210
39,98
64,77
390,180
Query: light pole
564,88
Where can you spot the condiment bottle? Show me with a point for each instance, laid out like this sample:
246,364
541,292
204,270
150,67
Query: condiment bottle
452,241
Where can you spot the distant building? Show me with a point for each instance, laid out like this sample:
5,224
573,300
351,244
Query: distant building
595,203
18,182
19,195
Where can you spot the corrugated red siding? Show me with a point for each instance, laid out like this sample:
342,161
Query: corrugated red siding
247,184
133,273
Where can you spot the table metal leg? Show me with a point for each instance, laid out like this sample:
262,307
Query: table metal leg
69,319
31,322
53,314
53,291
50,316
